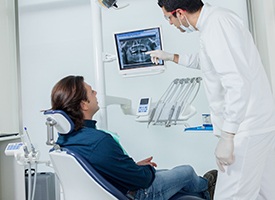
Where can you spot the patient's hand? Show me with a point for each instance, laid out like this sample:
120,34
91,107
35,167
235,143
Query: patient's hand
147,161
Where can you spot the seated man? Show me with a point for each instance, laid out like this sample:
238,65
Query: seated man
136,180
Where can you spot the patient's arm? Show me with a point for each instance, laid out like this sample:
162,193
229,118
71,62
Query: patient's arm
147,161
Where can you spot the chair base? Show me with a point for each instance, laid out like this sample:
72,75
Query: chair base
186,197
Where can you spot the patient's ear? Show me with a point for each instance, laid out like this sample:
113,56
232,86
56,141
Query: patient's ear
84,105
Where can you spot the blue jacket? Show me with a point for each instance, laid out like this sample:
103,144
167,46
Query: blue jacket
107,157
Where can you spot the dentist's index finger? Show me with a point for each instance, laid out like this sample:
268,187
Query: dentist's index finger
149,52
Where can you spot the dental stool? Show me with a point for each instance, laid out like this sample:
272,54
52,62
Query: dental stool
78,179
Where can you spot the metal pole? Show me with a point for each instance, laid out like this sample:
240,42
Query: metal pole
250,19
98,63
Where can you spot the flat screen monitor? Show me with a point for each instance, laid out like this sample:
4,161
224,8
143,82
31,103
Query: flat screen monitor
130,50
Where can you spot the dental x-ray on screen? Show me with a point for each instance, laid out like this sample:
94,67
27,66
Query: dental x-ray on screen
131,47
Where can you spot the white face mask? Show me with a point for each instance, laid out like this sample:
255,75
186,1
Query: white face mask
188,29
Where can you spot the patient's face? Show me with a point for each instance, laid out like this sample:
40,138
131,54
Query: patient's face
92,104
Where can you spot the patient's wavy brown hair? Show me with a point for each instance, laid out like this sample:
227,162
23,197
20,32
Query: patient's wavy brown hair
67,95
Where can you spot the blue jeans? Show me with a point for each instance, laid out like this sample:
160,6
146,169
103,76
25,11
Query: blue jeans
181,179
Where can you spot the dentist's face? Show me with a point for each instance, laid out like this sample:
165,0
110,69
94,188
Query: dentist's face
172,19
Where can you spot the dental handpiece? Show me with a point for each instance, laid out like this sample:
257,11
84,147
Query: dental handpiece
184,103
167,124
166,96
172,110
177,114
29,140
151,116
184,94
198,82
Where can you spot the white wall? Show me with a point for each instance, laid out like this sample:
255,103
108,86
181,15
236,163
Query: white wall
11,174
263,18
9,113
56,41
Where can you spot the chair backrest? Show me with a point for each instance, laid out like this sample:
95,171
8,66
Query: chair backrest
78,179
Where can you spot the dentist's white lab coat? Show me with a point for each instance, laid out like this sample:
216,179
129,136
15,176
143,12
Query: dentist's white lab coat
239,96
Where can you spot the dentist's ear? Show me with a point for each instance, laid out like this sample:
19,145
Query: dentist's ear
180,13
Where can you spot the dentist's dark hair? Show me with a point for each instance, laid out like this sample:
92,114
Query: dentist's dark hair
67,95
190,6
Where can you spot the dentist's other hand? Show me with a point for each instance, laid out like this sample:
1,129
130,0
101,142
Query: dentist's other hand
224,150
157,55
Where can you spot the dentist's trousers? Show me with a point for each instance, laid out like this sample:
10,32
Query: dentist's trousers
252,175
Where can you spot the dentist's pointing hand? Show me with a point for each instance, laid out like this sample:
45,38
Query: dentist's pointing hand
157,55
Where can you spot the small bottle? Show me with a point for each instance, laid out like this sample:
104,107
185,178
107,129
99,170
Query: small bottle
206,119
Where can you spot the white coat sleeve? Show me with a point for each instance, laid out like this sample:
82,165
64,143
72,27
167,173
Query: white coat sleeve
189,60
225,46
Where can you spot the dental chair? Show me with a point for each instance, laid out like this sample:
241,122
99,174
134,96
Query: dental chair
78,179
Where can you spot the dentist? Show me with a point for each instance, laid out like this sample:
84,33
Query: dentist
240,98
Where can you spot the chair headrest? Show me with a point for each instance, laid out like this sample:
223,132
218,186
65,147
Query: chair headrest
60,120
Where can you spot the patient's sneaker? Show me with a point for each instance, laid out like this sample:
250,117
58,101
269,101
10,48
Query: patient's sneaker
211,176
